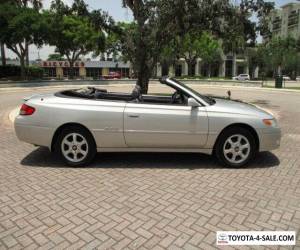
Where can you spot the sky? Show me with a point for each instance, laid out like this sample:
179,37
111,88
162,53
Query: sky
113,7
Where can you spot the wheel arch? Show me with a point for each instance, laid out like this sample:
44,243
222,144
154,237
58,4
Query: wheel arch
62,127
240,125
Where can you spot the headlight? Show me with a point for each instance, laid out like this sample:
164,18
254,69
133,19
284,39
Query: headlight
270,122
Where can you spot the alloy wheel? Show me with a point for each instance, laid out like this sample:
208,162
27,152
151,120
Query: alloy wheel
236,149
74,147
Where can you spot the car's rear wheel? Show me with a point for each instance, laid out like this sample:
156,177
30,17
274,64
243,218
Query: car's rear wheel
235,147
76,146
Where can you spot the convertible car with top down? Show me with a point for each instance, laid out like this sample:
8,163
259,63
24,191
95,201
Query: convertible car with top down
79,123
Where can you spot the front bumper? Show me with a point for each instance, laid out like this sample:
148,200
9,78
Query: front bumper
269,140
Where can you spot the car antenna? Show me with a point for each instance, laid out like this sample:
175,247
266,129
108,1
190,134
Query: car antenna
229,94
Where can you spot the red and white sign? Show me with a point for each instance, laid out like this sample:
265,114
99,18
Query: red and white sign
61,64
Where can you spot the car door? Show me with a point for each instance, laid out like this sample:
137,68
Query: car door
165,126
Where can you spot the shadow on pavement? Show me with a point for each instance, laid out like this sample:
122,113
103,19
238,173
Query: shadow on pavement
41,157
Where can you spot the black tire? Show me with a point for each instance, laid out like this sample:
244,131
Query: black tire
89,146
231,133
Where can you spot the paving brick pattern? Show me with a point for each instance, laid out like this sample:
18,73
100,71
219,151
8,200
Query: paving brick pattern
147,201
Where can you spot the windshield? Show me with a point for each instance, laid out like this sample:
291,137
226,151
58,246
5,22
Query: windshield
205,98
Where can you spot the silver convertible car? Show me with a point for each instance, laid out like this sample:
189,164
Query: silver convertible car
78,123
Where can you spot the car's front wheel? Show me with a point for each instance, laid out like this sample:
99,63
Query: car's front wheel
76,146
235,147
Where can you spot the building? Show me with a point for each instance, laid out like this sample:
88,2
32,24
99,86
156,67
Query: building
84,69
285,21
230,65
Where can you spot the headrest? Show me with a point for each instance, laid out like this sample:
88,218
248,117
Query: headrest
136,92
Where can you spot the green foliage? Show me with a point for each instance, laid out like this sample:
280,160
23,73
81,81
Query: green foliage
9,71
32,72
254,60
20,24
55,57
161,22
280,54
209,48
36,4
242,29
74,31
194,45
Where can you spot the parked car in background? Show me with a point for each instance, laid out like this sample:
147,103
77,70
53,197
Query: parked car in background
298,78
286,78
78,123
113,75
242,77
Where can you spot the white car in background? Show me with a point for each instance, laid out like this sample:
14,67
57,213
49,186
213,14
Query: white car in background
298,78
242,77
286,78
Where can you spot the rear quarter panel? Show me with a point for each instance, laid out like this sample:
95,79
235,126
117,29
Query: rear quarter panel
103,119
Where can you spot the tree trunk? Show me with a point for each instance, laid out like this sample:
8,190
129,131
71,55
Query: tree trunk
143,71
143,82
71,71
22,65
27,53
143,79
3,57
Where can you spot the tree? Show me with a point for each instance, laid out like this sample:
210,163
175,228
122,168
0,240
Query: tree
74,37
142,40
157,22
261,9
20,24
242,35
36,4
55,57
194,45
168,56
190,49
281,54
253,60
210,51
72,31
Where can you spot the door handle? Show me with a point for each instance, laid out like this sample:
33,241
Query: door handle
133,116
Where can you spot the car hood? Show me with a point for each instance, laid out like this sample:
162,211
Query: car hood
237,107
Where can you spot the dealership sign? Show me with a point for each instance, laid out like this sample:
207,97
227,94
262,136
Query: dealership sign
65,64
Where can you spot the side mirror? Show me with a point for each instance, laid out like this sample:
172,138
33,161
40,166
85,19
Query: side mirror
193,103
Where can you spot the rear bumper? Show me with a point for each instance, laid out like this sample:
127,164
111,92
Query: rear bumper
270,141
40,136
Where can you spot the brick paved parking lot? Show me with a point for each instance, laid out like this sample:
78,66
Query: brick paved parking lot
147,200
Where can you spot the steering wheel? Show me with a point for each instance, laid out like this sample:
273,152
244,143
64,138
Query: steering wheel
177,97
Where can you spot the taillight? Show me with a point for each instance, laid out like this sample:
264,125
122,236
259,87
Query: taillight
26,110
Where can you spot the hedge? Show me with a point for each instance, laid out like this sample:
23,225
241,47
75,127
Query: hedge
15,71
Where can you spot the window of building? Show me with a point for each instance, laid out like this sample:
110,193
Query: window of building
50,72
95,73
67,72
123,71
178,70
